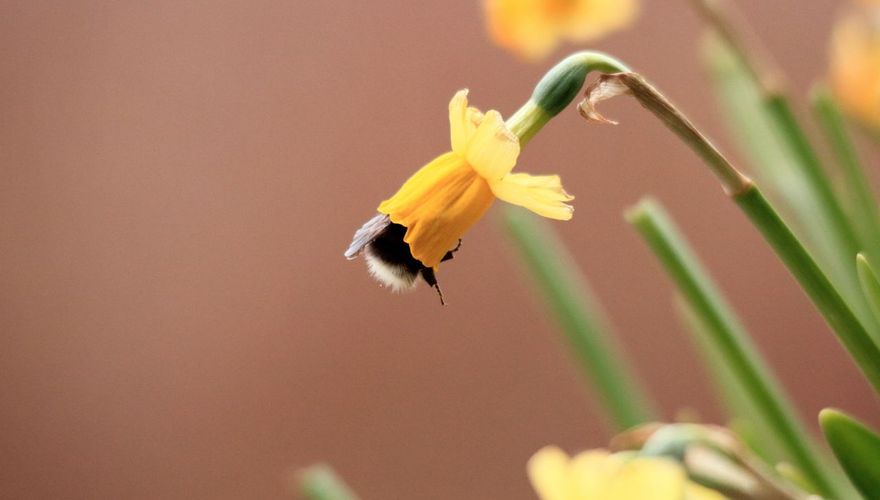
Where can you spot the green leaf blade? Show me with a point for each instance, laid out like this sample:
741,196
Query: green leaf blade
320,482
786,164
857,193
870,284
730,342
857,449
574,307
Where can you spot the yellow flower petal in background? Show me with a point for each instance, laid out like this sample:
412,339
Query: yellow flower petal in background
589,472
646,479
591,19
521,27
855,63
599,475
549,473
694,491
533,28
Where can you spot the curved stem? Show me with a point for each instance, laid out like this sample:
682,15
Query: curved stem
557,89
581,318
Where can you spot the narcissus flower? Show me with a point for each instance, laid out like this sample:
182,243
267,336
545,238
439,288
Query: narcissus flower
600,475
421,225
533,28
855,63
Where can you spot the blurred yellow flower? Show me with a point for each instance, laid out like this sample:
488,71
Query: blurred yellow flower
533,28
599,475
855,62
448,195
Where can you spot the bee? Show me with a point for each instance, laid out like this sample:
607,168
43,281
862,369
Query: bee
388,257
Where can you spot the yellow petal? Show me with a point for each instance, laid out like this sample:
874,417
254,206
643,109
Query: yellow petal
592,473
463,122
693,491
549,473
438,204
493,149
647,479
521,26
591,19
533,28
542,194
855,67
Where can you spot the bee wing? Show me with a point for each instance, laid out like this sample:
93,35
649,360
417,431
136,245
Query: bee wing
366,234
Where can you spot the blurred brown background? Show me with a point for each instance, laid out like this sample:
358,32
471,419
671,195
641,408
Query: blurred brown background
180,179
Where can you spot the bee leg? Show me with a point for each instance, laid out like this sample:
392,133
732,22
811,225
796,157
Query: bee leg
431,279
450,254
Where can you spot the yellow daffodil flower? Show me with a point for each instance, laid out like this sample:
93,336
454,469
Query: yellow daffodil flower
533,28
599,475
422,224
855,63
448,195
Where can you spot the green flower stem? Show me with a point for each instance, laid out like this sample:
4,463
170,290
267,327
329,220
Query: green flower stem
870,284
831,226
612,85
824,295
557,89
744,419
320,482
858,188
837,312
730,339
528,121
573,305
768,79
779,108
756,61
780,173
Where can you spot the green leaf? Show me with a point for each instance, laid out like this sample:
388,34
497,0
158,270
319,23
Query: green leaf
320,482
729,341
837,312
785,163
794,475
744,419
574,307
870,284
856,447
857,193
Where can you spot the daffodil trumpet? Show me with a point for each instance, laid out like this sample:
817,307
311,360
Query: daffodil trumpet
422,224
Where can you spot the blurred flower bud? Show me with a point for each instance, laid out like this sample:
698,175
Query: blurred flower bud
712,457
854,71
